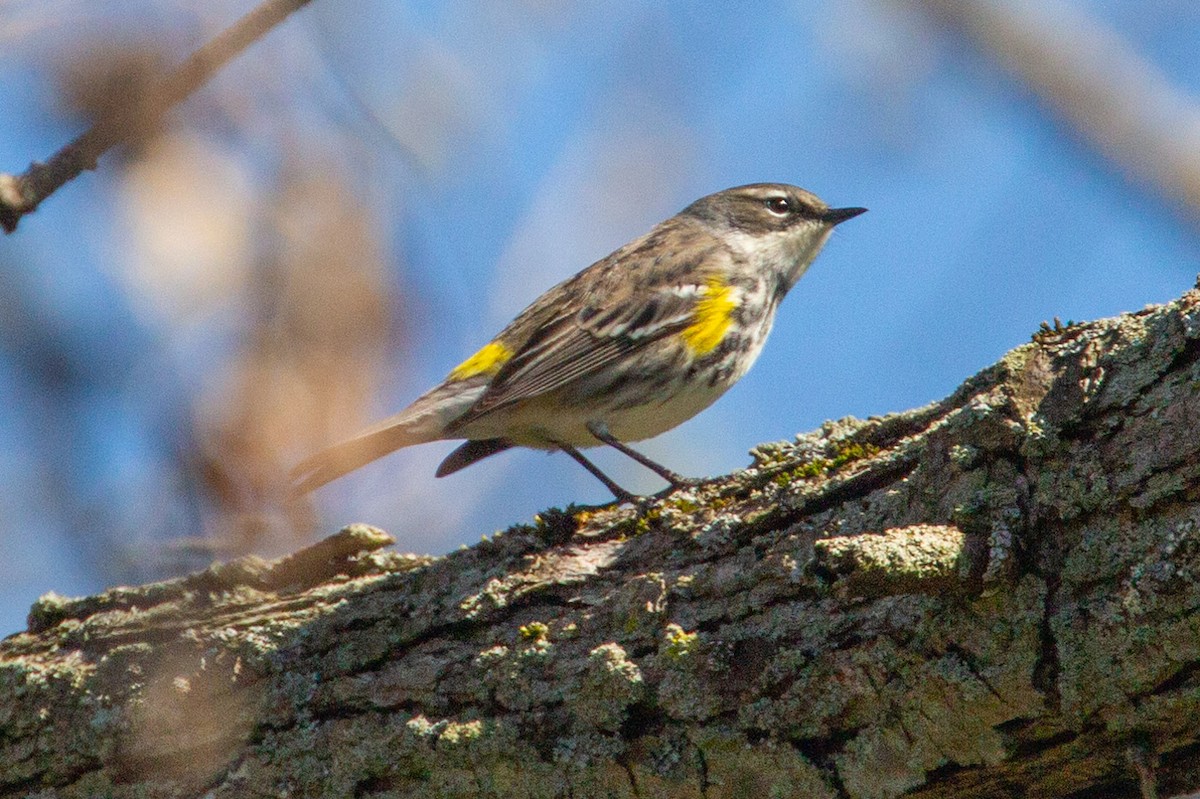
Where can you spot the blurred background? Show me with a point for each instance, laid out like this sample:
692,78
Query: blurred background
369,193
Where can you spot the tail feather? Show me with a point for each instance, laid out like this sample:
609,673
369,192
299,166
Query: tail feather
472,451
330,464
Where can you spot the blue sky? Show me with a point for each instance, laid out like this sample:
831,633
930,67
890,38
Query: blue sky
502,150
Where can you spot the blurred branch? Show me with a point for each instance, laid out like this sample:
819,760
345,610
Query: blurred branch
1087,73
21,194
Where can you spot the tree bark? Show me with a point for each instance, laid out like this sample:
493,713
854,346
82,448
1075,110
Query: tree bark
993,595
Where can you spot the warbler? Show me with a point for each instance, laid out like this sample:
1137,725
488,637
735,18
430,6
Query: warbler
630,347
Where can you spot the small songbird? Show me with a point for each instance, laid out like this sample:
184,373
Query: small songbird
630,347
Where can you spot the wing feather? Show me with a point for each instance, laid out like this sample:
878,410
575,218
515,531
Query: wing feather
618,318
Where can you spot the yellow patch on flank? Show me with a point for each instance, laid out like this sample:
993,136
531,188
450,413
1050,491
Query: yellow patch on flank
714,314
485,362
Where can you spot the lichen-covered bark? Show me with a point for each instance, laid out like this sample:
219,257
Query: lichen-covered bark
994,595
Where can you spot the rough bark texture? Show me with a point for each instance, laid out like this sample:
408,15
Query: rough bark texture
994,595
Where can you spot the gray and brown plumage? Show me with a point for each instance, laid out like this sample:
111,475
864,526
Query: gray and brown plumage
630,347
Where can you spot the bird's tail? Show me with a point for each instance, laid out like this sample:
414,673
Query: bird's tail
392,434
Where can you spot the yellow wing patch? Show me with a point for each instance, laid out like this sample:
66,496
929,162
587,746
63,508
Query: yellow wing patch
714,314
487,361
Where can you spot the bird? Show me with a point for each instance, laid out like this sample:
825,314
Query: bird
632,346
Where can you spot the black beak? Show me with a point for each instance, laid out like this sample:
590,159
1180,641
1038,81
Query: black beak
835,216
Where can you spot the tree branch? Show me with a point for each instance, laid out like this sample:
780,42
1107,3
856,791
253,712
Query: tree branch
993,595
22,194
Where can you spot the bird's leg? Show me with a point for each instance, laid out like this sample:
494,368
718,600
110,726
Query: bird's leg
600,431
619,493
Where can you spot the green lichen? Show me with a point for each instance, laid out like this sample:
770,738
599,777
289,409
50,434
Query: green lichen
48,610
678,644
839,453
457,733
645,521
899,560
491,657
534,631
1046,334
555,525
611,683
766,771
771,454
684,504
964,455
851,451
817,467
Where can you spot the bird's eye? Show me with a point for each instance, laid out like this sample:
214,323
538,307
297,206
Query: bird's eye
780,206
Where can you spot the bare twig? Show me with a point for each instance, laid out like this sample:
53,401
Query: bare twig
21,194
